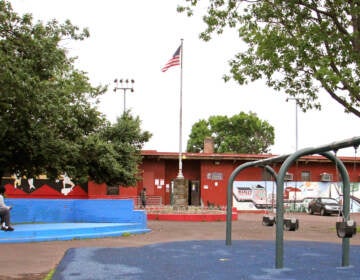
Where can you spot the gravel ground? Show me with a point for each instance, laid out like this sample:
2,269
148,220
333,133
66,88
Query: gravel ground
33,261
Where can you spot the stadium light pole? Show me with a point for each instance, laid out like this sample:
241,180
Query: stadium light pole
125,85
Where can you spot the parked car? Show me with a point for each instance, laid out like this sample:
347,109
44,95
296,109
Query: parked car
324,206
305,204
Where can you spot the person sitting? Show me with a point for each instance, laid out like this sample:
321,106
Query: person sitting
4,212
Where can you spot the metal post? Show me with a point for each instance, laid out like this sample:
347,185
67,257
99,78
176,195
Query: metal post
180,174
296,122
296,127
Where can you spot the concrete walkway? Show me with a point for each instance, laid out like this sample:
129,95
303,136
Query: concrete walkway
209,260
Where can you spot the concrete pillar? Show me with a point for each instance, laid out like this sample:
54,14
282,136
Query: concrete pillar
180,194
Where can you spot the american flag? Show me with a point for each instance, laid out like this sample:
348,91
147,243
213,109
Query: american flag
174,61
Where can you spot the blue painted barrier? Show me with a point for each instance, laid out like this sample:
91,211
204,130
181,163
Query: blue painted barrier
37,220
74,211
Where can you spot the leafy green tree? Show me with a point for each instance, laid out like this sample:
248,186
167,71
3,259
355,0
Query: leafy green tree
242,133
299,46
114,153
199,131
48,123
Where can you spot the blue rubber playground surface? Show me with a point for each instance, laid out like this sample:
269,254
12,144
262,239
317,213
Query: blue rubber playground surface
210,260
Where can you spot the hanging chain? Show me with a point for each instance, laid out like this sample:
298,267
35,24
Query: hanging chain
336,167
354,174
266,190
341,201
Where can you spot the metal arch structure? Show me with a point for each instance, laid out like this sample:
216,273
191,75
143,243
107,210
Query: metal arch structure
287,161
280,199
259,163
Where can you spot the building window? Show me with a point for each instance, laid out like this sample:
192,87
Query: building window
305,176
112,190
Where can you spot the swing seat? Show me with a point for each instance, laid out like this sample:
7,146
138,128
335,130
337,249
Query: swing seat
291,224
346,229
268,220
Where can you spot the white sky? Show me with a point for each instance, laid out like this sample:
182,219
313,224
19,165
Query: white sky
135,38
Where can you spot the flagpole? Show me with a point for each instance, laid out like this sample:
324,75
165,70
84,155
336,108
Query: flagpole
180,175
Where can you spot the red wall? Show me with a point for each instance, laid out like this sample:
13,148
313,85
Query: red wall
158,173
214,191
100,191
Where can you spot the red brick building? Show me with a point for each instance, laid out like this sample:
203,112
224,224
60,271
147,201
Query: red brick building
207,175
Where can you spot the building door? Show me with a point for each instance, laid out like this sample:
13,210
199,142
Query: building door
194,193
148,182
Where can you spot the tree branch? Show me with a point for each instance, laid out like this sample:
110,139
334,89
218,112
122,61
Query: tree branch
340,100
314,8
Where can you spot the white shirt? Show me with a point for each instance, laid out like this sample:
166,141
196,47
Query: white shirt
2,203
